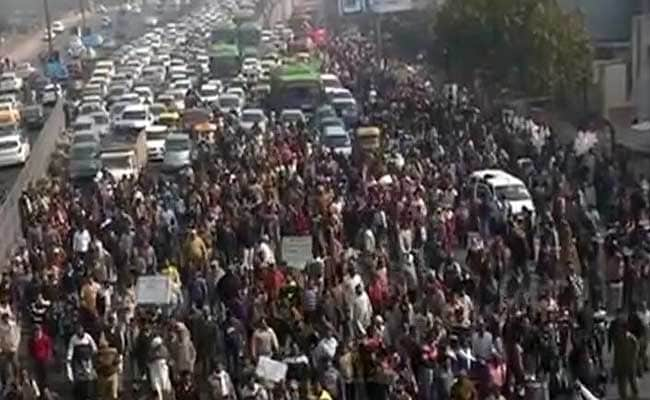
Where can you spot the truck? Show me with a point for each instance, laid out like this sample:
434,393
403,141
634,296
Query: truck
124,154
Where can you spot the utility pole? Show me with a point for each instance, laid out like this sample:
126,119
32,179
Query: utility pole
82,8
48,26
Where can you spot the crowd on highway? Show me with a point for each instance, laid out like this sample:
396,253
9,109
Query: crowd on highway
468,256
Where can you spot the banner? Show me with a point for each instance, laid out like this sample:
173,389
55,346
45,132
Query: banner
348,7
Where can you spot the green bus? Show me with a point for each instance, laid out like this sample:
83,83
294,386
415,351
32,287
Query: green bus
297,85
224,61
224,33
249,35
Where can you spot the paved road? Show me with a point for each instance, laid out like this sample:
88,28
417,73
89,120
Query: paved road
29,49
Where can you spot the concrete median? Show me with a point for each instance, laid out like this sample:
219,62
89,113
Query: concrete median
35,169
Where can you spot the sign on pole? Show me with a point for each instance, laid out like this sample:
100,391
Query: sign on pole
349,7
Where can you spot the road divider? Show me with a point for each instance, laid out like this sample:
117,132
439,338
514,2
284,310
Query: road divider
35,168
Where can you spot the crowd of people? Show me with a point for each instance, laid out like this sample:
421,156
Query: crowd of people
417,290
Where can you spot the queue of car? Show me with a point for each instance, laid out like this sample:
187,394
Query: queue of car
135,107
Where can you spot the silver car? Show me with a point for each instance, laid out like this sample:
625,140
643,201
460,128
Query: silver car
178,152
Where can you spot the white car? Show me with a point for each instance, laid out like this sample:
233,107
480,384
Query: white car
237,91
102,122
209,93
151,22
145,93
58,27
24,70
14,149
250,64
499,187
134,116
156,136
51,94
10,82
251,117
229,102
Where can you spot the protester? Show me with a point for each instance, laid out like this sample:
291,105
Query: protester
419,280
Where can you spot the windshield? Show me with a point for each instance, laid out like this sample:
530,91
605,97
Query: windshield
209,92
117,92
301,96
82,126
292,116
336,141
134,115
83,138
177,145
331,122
157,135
512,192
6,145
82,153
100,119
252,117
341,95
117,162
229,102
331,83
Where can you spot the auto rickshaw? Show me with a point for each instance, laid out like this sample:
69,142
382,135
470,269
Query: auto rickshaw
205,131
368,139
195,116
170,119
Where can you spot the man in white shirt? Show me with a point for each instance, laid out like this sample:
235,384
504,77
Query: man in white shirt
361,311
81,241
221,386
482,342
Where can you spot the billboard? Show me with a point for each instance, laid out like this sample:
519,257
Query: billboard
349,7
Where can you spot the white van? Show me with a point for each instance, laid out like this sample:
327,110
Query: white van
499,186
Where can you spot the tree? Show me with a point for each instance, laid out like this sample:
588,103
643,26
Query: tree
531,44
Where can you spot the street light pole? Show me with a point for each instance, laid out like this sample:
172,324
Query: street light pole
48,26
83,14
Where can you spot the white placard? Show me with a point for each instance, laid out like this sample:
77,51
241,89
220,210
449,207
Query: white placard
296,251
153,289
271,370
